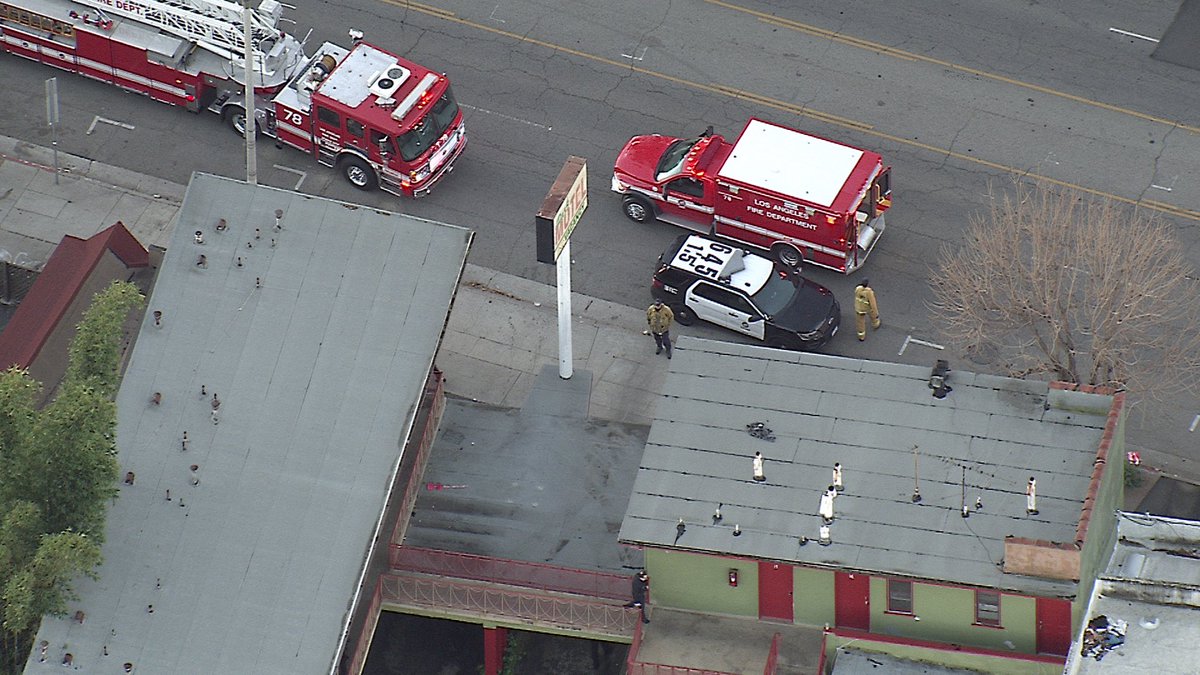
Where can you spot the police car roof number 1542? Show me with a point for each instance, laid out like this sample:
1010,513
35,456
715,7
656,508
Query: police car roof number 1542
708,259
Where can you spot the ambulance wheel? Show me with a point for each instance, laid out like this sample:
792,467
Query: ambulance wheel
358,172
787,255
637,209
235,117
683,315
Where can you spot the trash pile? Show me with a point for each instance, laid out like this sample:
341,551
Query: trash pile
1103,635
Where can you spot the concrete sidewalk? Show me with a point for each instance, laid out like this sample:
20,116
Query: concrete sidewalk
502,330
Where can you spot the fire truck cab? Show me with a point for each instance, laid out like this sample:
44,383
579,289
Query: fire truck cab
382,120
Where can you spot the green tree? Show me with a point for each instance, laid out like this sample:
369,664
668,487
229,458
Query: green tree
44,585
95,352
18,394
73,460
58,469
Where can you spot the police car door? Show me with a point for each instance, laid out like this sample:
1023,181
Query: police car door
726,308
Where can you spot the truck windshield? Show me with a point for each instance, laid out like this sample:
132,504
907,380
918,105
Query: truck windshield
775,295
671,163
429,128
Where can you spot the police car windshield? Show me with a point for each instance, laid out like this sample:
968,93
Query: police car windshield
429,128
671,163
775,295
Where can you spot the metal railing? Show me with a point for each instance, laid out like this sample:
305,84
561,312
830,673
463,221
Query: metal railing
538,576
560,612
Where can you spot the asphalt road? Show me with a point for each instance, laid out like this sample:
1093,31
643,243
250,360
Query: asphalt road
957,96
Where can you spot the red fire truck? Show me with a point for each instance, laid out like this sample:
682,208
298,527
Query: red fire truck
382,120
191,53
801,197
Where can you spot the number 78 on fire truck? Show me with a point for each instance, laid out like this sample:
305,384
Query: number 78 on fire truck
382,120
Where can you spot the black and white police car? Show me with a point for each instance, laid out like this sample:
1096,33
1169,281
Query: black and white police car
699,278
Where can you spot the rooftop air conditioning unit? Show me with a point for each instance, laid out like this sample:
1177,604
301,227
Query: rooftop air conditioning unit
389,80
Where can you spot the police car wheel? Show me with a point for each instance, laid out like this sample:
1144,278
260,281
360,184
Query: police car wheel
637,209
358,173
787,255
683,315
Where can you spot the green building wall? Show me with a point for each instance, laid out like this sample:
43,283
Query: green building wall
947,614
700,583
813,592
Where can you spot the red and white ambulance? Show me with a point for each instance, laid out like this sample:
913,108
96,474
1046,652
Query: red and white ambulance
801,197
383,120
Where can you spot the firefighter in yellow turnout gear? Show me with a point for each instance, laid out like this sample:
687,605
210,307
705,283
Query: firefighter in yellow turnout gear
864,303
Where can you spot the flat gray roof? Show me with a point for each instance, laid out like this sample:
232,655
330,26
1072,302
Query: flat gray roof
868,416
319,372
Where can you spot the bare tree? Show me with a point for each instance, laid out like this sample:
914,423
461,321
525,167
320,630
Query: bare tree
1051,283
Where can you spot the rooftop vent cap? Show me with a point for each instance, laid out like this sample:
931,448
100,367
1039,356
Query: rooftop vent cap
938,377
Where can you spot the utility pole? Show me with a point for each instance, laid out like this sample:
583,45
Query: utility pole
52,118
250,128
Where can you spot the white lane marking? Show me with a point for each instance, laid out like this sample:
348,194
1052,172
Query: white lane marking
1125,32
639,56
97,118
908,339
302,174
506,117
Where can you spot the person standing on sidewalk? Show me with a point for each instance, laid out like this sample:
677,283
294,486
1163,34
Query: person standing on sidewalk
659,316
641,584
864,303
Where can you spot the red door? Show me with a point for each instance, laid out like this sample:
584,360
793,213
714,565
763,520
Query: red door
852,601
775,591
1053,626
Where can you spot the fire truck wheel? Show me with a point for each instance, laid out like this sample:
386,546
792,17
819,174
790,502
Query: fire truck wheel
358,172
683,315
787,256
235,117
637,209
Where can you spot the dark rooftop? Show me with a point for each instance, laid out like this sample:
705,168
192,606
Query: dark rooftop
541,483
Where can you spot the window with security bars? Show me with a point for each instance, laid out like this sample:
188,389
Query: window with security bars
987,608
900,599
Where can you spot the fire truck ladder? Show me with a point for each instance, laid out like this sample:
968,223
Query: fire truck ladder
215,25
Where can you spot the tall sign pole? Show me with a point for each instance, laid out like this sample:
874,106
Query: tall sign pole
52,119
554,223
248,69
